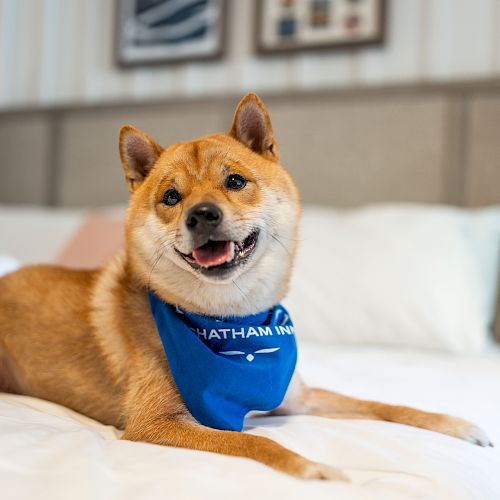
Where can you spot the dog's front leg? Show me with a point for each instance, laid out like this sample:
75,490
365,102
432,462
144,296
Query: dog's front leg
157,415
301,399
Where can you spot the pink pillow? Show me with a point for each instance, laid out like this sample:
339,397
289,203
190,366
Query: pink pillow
97,239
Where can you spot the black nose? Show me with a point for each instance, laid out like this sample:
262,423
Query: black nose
203,216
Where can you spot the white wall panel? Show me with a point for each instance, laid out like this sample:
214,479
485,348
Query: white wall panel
474,35
165,81
72,40
461,39
115,83
50,56
496,37
201,78
30,31
61,51
398,60
319,70
91,52
8,25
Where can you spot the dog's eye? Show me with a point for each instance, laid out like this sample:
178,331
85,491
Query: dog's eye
235,182
171,197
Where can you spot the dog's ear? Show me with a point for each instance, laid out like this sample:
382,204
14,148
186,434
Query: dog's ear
138,154
252,127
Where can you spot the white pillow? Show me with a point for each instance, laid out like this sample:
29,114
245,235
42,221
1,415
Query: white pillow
8,264
402,275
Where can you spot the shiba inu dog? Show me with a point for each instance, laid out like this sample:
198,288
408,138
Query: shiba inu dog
211,230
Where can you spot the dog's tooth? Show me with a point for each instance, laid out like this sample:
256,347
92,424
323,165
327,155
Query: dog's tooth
232,251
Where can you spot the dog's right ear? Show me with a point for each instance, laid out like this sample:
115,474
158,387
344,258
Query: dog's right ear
138,154
252,127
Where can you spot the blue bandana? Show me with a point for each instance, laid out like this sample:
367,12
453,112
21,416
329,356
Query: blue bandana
226,367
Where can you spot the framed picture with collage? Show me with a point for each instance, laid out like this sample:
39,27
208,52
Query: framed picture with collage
292,25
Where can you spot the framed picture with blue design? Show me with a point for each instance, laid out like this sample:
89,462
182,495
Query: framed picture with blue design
169,31
292,25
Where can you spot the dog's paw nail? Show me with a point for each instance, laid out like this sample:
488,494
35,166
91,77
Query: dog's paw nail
462,429
476,435
315,470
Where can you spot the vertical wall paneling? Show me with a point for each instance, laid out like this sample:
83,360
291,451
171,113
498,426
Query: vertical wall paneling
398,60
424,45
61,51
92,73
164,81
203,77
461,39
70,85
27,63
50,52
117,83
322,70
473,36
438,44
143,80
239,40
8,22
495,19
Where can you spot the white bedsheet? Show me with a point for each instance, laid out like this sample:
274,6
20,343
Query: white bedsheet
47,451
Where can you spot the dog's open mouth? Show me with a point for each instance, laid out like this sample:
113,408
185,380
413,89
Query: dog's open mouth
220,255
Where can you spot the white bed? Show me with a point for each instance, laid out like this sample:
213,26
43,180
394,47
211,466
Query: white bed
47,451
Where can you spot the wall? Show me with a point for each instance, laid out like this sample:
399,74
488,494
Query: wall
60,51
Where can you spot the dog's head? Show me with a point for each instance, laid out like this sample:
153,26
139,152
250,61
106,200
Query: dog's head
212,223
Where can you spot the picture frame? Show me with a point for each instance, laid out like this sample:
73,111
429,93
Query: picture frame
298,25
153,32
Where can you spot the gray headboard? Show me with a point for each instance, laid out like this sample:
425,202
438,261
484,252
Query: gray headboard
427,143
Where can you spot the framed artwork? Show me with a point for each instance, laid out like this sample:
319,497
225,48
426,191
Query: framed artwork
169,31
291,25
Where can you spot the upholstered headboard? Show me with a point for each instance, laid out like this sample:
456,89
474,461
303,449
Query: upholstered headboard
428,143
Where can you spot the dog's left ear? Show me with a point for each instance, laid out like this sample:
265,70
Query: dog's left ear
138,154
252,127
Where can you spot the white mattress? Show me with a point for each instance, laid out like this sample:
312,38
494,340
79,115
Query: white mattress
47,451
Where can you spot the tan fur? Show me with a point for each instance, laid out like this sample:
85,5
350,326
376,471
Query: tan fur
87,340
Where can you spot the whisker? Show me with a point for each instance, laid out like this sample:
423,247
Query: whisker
242,293
274,237
163,245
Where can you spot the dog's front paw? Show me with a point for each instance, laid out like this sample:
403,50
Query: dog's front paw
462,429
316,470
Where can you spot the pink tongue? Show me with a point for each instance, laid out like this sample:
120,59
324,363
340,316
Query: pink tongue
213,253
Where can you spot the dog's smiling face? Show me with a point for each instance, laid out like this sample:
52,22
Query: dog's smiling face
212,223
